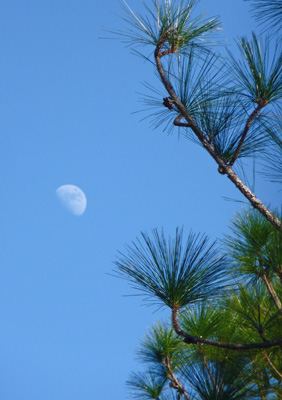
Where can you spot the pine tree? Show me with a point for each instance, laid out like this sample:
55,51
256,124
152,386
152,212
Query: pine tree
225,336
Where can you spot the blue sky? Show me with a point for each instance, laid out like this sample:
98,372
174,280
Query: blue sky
67,101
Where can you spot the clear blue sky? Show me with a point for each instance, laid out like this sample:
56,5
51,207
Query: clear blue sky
67,97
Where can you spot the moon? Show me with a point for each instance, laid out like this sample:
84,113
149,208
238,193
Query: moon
72,198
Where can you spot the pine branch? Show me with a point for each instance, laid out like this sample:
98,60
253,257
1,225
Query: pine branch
223,167
189,339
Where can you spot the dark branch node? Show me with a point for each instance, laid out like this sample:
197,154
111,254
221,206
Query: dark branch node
190,340
168,102
222,170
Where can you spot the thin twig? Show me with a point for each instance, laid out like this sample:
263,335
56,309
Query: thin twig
272,365
202,352
250,119
177,122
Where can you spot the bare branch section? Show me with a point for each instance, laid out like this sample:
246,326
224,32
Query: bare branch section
223,167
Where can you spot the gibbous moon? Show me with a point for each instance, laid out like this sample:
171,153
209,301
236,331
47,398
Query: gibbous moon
72,198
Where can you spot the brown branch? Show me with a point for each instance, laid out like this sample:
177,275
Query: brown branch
255,202
267,357
202,352
181,108
174,381
272,365
190,339
168,51
250,119
177,122
278,272
272,292
223,168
